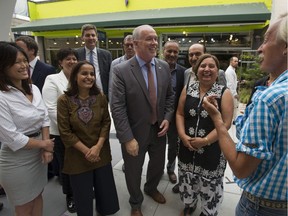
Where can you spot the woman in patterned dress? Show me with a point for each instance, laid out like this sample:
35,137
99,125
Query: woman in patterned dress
201,163
84,126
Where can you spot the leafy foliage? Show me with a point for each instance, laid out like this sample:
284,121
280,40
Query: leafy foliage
248,74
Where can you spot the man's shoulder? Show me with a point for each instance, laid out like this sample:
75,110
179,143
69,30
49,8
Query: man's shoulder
180,68
188,70
48,68
103,51
125,64
118,60
275,94
80,50
161,62
230,69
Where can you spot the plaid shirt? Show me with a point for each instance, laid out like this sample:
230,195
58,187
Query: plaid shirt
264,135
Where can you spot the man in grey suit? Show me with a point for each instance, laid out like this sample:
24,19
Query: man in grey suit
142,116
100,58
128,53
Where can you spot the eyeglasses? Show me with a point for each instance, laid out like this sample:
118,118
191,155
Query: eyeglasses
128,45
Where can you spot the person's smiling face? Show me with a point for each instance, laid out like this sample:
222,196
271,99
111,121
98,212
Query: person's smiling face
19,70
207,71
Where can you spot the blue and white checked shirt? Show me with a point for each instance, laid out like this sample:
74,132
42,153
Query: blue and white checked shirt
264,135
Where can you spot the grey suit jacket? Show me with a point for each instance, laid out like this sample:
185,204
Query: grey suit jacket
104,61
130,104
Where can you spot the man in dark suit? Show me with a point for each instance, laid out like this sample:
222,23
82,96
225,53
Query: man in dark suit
142,116
100,58
38,69
170,53
265,81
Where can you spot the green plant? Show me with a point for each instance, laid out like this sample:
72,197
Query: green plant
247,75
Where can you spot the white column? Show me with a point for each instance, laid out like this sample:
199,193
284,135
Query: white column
6,13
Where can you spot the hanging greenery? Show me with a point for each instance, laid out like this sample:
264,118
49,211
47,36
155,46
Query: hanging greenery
248,73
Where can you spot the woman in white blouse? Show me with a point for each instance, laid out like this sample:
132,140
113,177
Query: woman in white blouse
24,133
54,86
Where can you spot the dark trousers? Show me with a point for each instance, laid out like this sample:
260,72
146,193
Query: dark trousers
59,153
155,146
99,183
172,136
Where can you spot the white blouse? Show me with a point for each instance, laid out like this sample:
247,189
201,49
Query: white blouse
19,116
54,86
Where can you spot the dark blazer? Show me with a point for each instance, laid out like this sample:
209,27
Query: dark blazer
104,61
260,82
130,104
179,84
40,72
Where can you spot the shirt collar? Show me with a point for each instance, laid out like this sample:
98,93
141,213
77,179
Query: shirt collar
281,78
33,63
88,51
142,62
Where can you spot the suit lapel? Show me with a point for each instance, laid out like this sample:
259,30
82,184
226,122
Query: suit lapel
82,54
159,72
36,72
137,72
100,61
63,80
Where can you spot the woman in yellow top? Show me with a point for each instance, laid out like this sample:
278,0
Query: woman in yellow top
84,125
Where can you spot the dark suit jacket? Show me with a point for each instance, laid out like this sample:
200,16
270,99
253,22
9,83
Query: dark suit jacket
104,61
179,84
40,72
260,82
130,104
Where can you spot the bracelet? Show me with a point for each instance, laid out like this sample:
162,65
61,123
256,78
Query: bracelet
207,140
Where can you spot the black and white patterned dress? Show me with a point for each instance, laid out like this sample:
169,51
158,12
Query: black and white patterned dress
201,172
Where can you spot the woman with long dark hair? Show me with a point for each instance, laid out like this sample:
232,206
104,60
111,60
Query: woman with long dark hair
24,134
84,126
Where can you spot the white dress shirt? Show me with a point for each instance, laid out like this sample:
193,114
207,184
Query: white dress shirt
32,66
19,116
96,65
231,79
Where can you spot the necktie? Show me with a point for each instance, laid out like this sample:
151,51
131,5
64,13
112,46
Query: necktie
152,93
91,57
